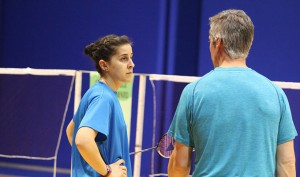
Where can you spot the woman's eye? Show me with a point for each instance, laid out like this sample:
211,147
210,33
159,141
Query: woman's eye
124,59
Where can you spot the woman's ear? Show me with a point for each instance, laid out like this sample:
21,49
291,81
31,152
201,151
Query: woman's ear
103,65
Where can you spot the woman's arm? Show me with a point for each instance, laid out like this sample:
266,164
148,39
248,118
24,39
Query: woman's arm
70,131
85,142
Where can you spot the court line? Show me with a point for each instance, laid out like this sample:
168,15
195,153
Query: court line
34,167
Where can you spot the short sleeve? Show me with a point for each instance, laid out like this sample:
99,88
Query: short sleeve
179,128
287,130
97,117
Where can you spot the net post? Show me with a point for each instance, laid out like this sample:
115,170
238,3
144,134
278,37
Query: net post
139,125
55,167
77,92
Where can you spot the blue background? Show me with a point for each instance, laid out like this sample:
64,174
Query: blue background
170,37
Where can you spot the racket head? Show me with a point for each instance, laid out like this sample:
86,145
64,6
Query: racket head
165,146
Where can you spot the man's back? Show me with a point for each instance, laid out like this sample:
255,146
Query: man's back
235,123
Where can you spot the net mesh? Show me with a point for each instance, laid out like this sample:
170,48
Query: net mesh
32,112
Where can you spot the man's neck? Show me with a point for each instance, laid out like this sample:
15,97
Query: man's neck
238,62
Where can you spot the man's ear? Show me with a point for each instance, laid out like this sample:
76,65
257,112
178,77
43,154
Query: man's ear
219,42
219,45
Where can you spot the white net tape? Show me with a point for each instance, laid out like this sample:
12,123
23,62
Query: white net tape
40,72
188,79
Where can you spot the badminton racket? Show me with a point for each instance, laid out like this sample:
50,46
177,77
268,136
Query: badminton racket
164,147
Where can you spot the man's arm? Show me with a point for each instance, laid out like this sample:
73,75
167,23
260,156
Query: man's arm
285,160
180,161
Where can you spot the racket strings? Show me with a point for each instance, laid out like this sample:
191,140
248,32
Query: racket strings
164,147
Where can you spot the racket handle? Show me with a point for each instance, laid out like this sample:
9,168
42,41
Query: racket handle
143,150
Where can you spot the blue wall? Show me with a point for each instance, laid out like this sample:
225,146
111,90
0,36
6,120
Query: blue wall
170,37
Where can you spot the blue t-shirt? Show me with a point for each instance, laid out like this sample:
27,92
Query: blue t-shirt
100,110
234,118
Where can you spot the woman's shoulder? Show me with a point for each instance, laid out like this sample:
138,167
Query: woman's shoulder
98,90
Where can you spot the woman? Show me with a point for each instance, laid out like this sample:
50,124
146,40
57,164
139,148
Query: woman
97,132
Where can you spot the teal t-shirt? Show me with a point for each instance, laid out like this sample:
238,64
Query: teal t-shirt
234,118
100,110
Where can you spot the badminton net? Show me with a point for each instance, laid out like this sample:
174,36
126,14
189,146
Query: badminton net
34,103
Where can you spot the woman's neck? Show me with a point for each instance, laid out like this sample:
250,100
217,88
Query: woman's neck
110,83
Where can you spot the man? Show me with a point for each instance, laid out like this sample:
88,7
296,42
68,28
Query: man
238,121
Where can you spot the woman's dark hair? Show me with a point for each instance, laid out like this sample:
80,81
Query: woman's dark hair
104,48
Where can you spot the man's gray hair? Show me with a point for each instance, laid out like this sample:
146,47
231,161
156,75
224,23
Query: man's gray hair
235,29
